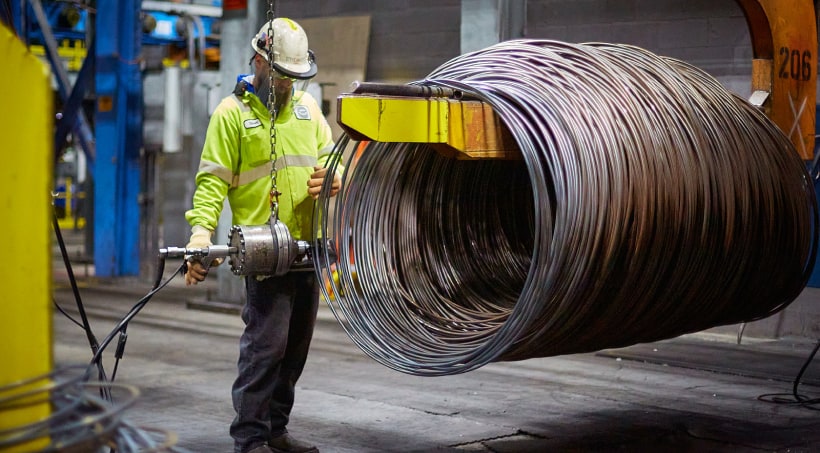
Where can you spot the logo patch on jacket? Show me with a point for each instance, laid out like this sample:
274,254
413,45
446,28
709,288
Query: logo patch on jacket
250,124
301,112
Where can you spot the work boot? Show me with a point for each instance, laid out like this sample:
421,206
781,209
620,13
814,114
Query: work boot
261,449
287,444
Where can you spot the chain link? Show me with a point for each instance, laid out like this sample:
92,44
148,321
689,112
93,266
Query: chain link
274,191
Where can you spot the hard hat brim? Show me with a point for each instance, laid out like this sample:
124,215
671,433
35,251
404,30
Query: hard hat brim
306,71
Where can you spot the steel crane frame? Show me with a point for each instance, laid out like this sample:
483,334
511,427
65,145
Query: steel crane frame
784,85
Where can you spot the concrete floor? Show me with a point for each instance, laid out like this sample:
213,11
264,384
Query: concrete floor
694,393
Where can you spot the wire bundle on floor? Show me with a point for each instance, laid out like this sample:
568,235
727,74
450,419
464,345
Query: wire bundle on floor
78,420
649,202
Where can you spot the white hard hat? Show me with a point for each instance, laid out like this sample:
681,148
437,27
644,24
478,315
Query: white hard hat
291,55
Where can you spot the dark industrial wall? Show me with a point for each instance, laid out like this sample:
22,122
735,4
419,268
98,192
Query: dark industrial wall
711,34
408,38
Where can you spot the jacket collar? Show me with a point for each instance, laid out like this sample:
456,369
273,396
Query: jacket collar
260,111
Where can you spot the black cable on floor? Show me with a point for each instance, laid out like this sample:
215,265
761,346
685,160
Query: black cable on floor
92,340
123,324
70,318
796,398
96,347
123,334
129,438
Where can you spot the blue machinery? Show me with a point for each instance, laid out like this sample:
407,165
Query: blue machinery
112,142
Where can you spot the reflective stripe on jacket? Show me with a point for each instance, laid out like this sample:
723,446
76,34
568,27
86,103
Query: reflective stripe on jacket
236,163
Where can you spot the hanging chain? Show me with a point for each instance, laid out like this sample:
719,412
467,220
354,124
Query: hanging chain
274,192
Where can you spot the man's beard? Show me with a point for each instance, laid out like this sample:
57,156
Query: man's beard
261,84
262,87
283,94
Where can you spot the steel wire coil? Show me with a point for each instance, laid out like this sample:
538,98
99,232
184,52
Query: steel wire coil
649,202
77,421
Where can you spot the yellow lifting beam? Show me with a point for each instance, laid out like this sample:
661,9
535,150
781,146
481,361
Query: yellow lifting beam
784,85
464,129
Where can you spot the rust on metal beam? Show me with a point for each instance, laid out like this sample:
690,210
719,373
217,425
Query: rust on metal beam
784,42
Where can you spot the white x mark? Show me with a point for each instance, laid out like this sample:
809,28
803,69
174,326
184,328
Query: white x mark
796,124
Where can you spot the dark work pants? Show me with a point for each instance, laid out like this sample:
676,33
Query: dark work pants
279,314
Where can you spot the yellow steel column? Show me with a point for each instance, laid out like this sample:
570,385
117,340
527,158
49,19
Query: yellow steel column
25,184
784,42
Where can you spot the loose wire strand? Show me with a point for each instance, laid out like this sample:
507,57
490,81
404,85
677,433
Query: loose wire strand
86,325
796,398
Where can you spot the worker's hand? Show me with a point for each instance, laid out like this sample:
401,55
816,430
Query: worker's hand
316,180
197,271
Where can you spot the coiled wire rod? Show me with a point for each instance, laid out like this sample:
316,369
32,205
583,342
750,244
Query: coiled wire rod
77,420
649,202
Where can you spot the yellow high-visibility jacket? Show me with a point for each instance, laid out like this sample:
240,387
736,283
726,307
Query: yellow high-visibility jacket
236,162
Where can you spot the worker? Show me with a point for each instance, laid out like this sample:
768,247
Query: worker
279,311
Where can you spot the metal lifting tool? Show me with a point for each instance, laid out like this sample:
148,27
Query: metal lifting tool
253,250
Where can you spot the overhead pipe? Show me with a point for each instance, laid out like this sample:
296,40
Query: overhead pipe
173,108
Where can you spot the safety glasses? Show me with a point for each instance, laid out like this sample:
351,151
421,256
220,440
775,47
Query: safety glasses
279,76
